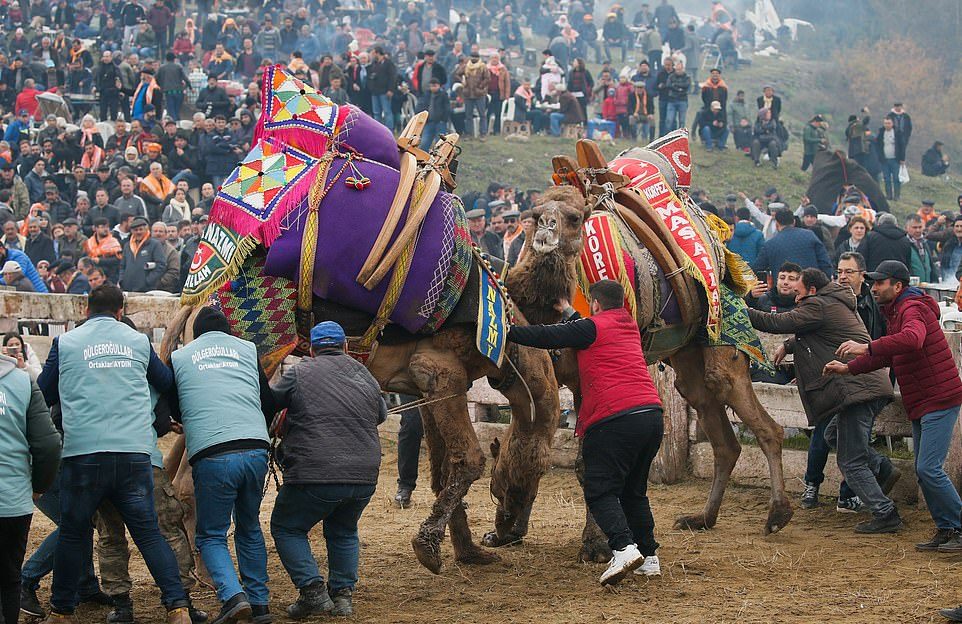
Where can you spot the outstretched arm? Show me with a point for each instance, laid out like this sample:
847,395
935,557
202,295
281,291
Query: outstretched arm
579,334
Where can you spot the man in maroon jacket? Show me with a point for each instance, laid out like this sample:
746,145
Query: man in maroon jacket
619,422
916,349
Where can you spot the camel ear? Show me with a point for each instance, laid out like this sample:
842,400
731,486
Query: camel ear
496,448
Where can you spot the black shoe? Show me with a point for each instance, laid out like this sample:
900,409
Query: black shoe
953,545
888,476
952,615
809,498
196,615
123,611
29,604
402,500
343,604
261,614
99,598
890,523
234,610
941,536
314,600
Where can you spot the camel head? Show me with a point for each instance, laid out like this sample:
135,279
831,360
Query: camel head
560,218
547,271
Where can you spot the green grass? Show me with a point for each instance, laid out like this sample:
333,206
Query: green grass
527,165
806,87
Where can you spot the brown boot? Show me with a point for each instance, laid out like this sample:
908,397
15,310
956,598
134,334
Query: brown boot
180,615
59,618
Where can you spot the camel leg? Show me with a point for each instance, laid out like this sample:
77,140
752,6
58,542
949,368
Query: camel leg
465,551
742,399
702,393
525,455
440,374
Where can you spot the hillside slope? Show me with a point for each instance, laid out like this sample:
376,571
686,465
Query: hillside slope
528,166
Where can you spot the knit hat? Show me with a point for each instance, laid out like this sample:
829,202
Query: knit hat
210,319
327,335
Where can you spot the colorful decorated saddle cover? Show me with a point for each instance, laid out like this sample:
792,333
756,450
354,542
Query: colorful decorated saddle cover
306,148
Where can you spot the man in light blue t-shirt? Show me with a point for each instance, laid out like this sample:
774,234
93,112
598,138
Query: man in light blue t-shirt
100,373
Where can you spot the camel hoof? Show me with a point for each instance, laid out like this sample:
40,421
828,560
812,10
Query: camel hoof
476,556
696,522
595,551
428,553
491,540
778,516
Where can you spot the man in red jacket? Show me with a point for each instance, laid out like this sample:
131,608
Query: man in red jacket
916,349
619,422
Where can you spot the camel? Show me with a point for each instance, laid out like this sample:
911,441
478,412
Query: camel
709,378
440,368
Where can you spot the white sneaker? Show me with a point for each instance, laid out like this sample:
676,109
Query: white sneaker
651,567
622,562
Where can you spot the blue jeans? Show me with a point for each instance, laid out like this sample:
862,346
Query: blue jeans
890,171
818,450
41,563
232,484
127,481
708,136
432,130
556,119
298,509
480,105
173,100
931,436
676,111
381,105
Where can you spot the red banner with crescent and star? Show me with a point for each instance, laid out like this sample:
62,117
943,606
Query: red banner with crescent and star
646,180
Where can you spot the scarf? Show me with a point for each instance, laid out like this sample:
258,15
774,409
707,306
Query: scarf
105,247
135,246
495,69
709,85
158,188
473,69
182,207
527,94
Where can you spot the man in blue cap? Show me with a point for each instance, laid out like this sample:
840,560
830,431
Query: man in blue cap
226,406
330,454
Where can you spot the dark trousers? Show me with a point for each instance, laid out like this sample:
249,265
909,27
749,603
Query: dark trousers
13,546
409,445
818,450
127,481
662,116
494,110
110,103
617,455
807,161
769,145
40,563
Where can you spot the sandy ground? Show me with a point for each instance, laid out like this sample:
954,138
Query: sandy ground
816,570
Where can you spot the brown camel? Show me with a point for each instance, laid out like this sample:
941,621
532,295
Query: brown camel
440,368
709,378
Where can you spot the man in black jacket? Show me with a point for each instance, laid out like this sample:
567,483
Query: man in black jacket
890,146
173,81
887,242
213,100
381,81
438,106
107,84
330,453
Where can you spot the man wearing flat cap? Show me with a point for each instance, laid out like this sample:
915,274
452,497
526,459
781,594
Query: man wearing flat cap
144,260
330,455
489,242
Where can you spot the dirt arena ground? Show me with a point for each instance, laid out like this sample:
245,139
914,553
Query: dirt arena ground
816,570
